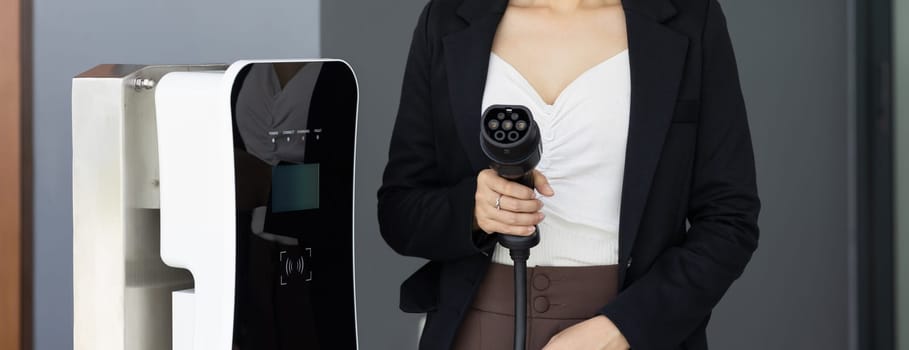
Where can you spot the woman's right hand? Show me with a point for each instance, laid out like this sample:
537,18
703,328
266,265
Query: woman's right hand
518,211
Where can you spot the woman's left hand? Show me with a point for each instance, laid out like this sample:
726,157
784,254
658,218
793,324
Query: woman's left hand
598,333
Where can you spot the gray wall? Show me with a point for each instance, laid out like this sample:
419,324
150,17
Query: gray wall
901,50
793,65
374,37
72,36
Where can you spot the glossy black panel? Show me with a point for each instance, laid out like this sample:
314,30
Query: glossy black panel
294,147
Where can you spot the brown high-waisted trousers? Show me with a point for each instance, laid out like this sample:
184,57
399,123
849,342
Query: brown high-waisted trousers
557,298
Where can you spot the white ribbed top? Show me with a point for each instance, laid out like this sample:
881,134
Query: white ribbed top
584,133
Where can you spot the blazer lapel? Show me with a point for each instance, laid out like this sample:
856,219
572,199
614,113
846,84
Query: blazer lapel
467,60
657,58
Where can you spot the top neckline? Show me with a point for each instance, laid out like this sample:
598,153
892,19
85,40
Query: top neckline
514,71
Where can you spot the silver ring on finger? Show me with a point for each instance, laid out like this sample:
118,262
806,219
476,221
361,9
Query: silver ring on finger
499,202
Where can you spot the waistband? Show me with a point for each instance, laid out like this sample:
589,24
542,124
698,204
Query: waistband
557,292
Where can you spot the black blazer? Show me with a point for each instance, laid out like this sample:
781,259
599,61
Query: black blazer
689,160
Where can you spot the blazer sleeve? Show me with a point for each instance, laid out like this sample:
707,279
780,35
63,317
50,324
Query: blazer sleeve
667,303
418,214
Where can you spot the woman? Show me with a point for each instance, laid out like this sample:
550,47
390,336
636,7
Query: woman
648,205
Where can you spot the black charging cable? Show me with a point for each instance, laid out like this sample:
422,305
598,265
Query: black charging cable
511,140
519,249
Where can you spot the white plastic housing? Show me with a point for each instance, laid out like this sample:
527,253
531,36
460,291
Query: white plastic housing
195,155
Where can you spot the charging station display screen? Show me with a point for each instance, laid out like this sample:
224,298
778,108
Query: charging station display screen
294,187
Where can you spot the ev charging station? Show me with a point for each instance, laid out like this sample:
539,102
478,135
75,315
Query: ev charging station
213,206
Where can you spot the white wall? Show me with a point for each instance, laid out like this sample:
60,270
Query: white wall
72,36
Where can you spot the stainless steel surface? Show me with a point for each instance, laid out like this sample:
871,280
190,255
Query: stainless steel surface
143,83
127,70
121,288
